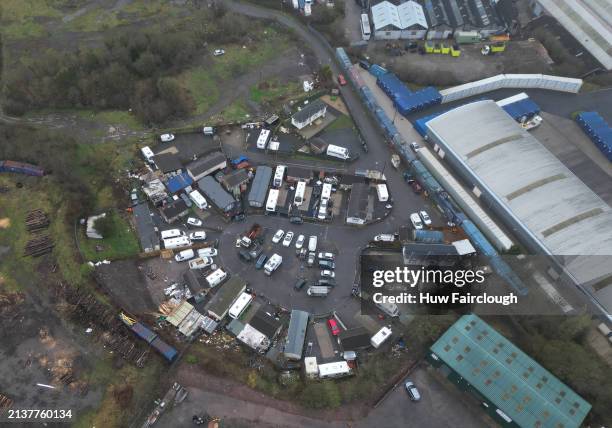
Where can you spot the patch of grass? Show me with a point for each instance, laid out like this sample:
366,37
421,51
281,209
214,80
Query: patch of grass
270,91
235,112
96,19
122,243
23,30
203,82
342,122
20,10
112,117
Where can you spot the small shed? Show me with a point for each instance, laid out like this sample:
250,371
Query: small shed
213,191
225,297
174,211
179,182
311,368
207,165
296,334
168,163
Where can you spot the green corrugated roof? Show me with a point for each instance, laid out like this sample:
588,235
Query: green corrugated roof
509,378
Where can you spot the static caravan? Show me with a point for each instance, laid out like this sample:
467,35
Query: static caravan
262,140
178,242
337,152
317,291
147,154
366,31
240,305
198,200
171,233
380,337
272,200
216,278
326,191
279,174
334,370
300,189
382,192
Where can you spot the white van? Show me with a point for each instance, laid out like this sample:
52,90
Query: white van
382,192
184,255
216,278
147,154
312,244
338,152
171,233
380,337
198,199
208,130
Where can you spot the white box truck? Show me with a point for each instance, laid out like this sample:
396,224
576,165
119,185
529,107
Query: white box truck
382,192
380,337
272,264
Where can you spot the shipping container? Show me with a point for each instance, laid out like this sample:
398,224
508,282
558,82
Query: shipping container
598,130
168,352
143,332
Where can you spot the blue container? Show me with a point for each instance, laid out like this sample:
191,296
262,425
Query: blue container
428,236
143,332
163,348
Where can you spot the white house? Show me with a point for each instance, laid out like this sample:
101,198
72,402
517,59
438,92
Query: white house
308,114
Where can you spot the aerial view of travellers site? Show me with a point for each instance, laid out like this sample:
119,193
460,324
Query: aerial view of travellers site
306,213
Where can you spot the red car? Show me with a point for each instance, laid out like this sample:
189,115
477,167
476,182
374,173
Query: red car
333,326
341,80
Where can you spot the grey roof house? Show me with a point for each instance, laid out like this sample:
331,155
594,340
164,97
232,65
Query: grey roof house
224,298
309,114
259,188
168,163
206,165
213,191
147,235
296,335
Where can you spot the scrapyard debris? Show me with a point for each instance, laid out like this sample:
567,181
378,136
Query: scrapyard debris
5,402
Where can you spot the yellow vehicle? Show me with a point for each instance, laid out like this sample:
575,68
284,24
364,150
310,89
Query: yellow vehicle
436,48
444,49
429,47
498,47
455,50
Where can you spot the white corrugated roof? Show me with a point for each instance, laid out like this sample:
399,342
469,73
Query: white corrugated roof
401,17
565,215
589,22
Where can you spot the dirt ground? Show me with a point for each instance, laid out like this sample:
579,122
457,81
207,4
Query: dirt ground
520,56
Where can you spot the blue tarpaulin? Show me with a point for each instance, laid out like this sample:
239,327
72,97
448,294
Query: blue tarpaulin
598,131
179,182
522,110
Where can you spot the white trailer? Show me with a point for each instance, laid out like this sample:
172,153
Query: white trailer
279,174
272,200
240,305
178,242
262,140
366,31
147,154
380,337
216,278
300,189
382,192
337,152
272,264
317,291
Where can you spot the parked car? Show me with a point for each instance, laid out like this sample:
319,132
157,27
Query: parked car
326,273
326,256
425,217
415,146
311,259
288,238
299,284
192,221
166,138
296,220
219,52
416,221
261,261
333,326
326,264
255,251
197,236
207,252
341,80
299,242
184,255
244,255
412,391
278,236
186,199
408,178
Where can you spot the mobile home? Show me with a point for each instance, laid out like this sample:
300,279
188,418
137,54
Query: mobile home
272,200
240,305
300,189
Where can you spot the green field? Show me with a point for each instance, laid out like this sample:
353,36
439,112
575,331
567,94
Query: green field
272,91
122,244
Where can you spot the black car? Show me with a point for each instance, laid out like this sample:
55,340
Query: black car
326,264
296,220
261,261
364,64
299,284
